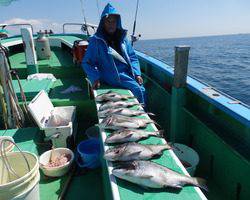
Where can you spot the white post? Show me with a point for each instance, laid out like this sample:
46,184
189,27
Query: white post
29,48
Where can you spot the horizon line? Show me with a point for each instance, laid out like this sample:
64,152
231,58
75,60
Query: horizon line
197,36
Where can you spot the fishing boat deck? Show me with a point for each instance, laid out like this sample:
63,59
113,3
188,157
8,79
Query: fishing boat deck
90,185
121,189
30,139
59,64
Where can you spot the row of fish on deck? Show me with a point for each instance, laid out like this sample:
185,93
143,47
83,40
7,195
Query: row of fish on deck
130,158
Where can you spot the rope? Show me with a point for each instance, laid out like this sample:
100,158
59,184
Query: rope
15,114
24,100
2,100
4,109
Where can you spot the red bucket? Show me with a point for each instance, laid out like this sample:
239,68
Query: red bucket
78,51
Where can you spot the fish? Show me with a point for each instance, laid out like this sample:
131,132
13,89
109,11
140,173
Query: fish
122,111
116,122
151,175
118,104
134,151
112,96
131,135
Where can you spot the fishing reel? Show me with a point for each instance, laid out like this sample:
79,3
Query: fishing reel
135,38
84,28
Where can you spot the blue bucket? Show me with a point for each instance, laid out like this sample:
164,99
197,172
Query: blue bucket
88,153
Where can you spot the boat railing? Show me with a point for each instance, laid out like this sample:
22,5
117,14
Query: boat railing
3,26
207,86
84,26
232,99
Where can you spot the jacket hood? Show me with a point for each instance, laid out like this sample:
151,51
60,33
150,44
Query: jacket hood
109,10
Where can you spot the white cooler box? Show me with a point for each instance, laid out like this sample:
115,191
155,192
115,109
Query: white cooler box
57,122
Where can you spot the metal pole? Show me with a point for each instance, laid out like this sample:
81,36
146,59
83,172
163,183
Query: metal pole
177,126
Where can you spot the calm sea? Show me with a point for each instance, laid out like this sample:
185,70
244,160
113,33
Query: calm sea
221,61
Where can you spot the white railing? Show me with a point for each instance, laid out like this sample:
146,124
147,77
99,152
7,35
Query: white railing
84,27
3,26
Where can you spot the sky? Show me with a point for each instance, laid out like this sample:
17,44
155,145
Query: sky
156,18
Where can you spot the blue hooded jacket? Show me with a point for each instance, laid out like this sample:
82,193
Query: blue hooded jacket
99,62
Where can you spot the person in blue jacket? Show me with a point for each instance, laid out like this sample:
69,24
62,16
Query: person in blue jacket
110,57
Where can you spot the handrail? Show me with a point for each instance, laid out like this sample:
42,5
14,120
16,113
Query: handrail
19,24
83,26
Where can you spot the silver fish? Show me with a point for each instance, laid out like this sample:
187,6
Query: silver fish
116,122
122,111
112,96
134,151
151,175
131,135
118,104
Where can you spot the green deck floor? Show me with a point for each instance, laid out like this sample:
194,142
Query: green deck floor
58,97
31,87
29,139
60,64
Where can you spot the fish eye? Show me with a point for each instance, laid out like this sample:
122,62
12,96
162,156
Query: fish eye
117,151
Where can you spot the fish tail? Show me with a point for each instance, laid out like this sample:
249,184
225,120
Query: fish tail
167,146
151,114
109,91
139,108
153,121
172,144
200,182
107,141
159,133
141,104
130,97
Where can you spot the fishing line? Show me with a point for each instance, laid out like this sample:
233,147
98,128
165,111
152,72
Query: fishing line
98,8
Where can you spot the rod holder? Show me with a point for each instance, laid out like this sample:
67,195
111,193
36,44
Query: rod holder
178,96
181,66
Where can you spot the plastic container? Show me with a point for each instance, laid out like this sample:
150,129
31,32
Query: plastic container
55,171
57,122
88,154
26,187
93,132
188,157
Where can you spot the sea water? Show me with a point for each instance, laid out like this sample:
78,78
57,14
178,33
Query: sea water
220,61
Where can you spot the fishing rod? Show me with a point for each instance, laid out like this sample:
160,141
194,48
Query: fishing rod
98,8
133,37
84,17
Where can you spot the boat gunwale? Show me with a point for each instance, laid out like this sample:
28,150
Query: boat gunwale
240,112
